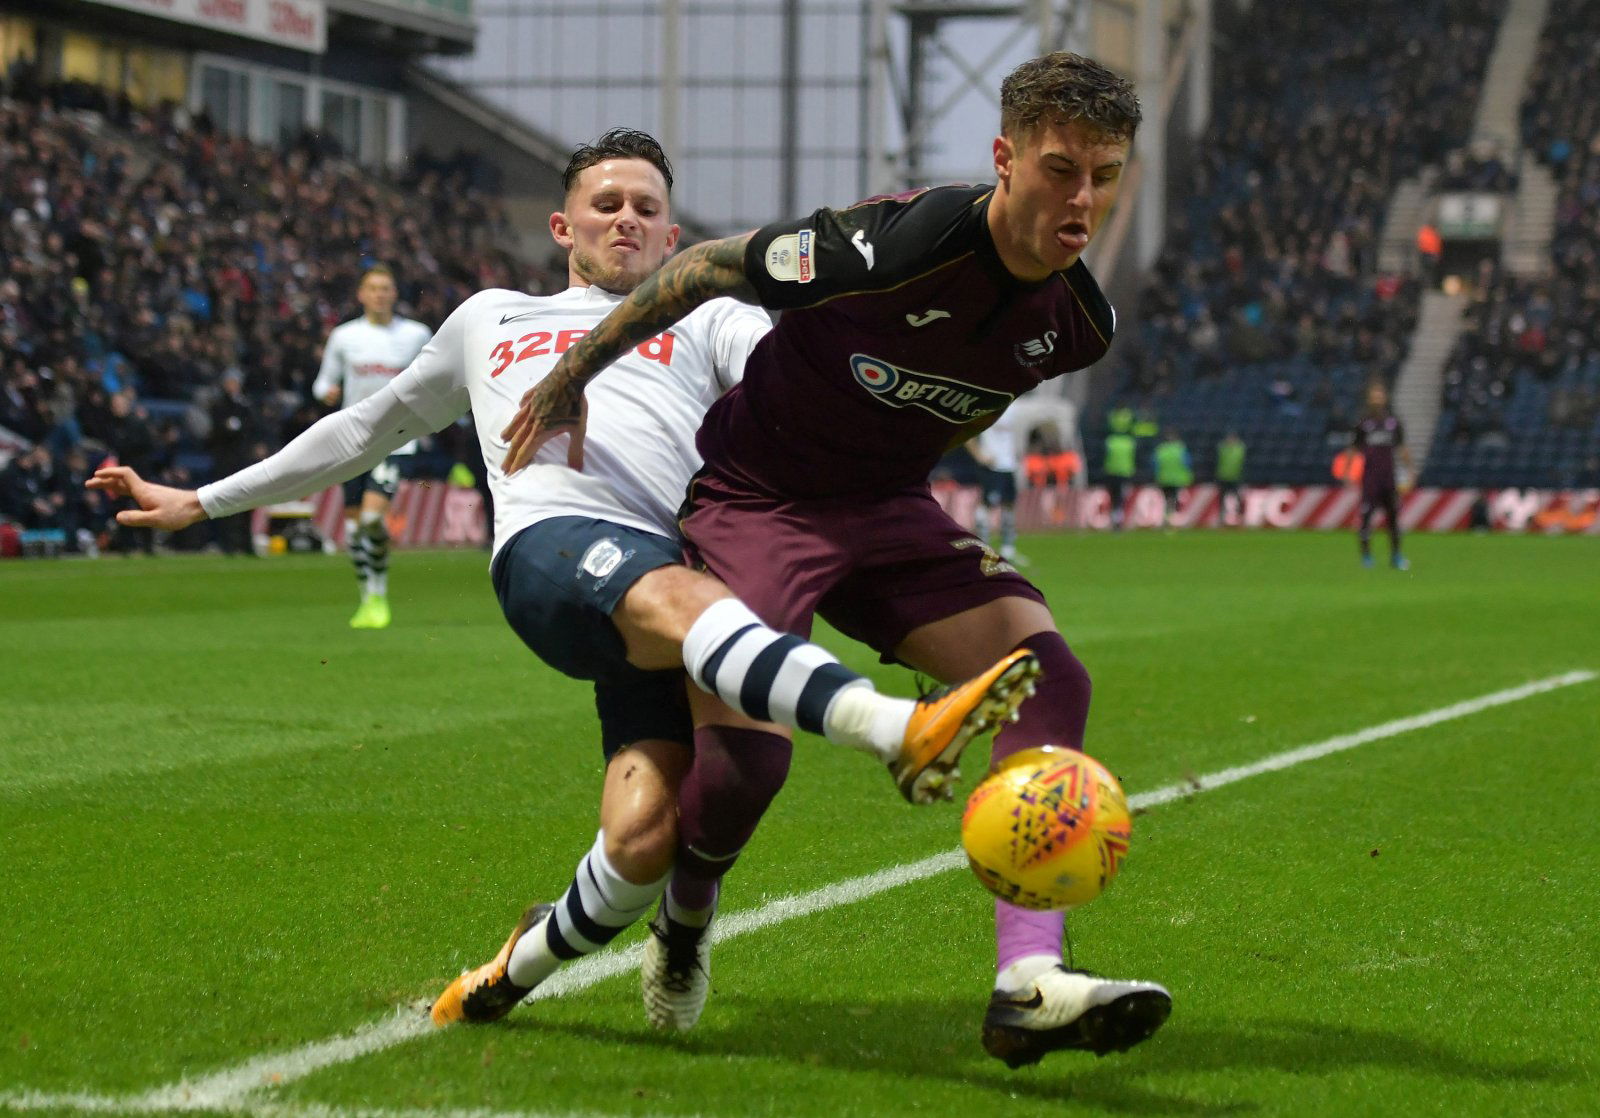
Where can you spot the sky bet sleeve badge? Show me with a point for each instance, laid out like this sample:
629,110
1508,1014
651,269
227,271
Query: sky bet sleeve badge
789,257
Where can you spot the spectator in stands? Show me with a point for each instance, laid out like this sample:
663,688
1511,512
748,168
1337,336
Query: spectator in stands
1430,249
29,493
219,254
235,442
1321,112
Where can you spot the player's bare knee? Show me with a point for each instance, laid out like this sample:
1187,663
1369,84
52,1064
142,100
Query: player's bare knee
657,611
670,598
642,845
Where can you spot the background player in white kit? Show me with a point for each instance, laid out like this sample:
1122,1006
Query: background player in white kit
995,451
588,570
361,357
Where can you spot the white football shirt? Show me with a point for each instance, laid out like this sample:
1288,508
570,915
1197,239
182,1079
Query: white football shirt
639,450
361,357
638,443
999,442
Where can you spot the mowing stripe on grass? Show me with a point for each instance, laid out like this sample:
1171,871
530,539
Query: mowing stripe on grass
261,1108
230,1088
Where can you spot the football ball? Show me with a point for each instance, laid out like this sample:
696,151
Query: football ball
1047,829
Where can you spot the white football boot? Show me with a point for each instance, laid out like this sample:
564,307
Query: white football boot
1072,1009
675,976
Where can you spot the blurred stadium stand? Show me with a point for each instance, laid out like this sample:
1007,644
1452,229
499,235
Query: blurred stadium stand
1521,397
1268,311
189,193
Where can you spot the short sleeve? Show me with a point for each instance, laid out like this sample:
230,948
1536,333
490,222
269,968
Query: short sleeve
872,246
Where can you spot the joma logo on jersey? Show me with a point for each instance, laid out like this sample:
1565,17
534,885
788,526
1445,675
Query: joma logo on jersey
951,400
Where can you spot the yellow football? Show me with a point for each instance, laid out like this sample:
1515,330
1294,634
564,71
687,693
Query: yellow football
1047,829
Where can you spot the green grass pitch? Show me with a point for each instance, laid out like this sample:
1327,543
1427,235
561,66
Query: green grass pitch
232,828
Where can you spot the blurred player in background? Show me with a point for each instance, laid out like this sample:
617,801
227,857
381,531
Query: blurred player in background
995,450
911,322
588,570
361,357
1381,437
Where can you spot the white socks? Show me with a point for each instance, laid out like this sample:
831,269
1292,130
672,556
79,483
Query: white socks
598,905
863,719
1022,973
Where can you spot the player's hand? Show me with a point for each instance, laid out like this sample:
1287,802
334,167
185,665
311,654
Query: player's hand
160,506
552,407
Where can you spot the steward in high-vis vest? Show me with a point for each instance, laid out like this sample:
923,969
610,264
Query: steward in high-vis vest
1118,471
1230,475
1174,472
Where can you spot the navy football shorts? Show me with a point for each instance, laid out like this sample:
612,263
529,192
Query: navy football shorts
383,478
999,487
558,582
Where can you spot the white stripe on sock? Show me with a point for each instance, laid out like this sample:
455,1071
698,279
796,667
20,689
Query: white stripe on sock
793,675
736,665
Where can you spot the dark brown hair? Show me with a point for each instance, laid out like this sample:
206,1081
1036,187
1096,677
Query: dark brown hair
619,143
1068,87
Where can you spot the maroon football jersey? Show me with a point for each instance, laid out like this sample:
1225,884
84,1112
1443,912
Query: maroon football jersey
901,327
1378,436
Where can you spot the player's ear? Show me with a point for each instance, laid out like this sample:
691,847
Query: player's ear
561,230
1004,153
672,237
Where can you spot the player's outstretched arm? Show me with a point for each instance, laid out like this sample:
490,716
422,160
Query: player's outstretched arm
555,405
160,506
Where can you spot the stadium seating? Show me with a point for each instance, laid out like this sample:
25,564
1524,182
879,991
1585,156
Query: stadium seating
1265,313
1522,392
142,255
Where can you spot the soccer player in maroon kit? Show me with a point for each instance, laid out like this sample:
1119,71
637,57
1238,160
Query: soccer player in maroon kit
911,322
1380,436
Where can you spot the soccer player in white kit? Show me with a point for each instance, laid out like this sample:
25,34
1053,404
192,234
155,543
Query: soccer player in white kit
361,357
995,450
587,566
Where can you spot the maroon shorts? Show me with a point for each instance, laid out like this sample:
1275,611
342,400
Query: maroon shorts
875,568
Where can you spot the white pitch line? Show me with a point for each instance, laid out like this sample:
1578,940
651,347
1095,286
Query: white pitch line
224,1089
1343,742
230,1088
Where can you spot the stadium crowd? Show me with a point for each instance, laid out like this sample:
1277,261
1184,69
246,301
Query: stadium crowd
1266,296
165,290
1522,390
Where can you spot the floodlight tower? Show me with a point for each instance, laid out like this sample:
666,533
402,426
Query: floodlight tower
930,27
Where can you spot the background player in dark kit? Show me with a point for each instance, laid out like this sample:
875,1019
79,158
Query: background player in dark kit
1380,437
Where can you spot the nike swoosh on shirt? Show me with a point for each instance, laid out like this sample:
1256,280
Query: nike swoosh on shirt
505,318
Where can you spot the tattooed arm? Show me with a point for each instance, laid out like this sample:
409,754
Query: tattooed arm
556,404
